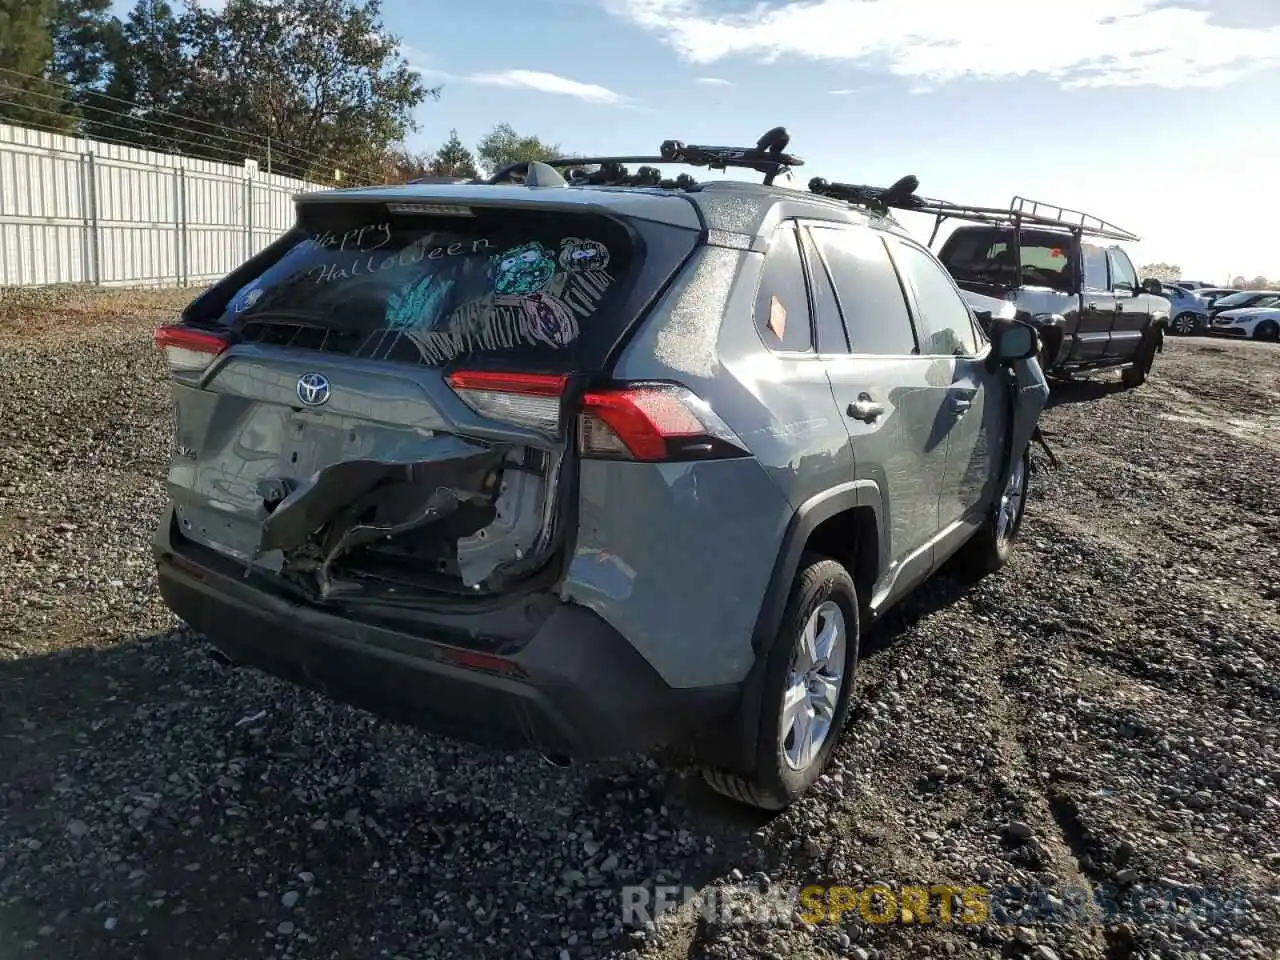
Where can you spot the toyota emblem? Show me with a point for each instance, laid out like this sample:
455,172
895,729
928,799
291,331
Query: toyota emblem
313,389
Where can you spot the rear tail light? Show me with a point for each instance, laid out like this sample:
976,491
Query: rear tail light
187,350
653,422
527,399
631,421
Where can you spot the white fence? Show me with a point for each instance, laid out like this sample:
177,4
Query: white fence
82,211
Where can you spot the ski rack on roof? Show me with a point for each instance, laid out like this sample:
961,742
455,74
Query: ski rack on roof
1020,213
767,157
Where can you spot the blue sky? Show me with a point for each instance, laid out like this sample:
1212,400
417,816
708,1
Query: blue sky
1156,114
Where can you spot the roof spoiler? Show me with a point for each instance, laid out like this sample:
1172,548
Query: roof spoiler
1020,213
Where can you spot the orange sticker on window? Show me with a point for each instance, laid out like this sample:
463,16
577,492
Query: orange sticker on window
777,318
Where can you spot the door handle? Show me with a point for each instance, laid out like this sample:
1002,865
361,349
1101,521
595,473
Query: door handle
960,405
865,409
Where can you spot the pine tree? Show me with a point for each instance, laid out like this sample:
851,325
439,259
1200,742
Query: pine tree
26,54
453,159
85,35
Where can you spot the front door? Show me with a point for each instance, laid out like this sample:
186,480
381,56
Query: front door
1098,305
971,416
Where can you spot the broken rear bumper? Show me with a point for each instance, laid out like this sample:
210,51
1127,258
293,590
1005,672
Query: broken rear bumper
577,688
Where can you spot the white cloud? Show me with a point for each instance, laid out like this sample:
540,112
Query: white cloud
430,74
1080,43
548,83
843,93
712,82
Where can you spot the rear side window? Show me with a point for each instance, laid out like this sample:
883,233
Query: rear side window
523,289
871,298
782,305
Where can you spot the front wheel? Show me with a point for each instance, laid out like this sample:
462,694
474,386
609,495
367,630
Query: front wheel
1185,324
1267,330
807,688
1135,375
992,546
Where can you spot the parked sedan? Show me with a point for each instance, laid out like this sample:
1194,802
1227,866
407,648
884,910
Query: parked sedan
1253,323
1243,298
1211,295
1189,313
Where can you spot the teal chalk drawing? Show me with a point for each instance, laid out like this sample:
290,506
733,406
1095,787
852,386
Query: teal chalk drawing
523,270
418,306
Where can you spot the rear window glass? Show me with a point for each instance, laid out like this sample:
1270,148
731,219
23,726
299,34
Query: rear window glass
539,287
987,256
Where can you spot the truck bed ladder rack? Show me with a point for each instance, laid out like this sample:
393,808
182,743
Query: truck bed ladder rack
1020,213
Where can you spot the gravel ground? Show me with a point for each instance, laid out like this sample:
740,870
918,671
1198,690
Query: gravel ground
1102,714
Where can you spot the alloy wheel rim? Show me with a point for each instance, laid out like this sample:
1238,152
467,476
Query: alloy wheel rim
815,679
1011,500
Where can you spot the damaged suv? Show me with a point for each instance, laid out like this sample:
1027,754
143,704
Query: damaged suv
594,470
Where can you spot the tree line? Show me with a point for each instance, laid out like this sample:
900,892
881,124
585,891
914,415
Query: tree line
1171,273
314,89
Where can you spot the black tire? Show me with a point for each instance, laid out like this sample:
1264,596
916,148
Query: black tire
1267,330
774,784
1135,375
987,551
1185,324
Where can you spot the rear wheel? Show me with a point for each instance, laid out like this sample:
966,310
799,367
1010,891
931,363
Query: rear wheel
1135,375
1186,324
1267,330
807,688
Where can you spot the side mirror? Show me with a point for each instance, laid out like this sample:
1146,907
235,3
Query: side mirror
1153,286
1011,341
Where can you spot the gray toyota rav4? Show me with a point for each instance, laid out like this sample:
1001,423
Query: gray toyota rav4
595,470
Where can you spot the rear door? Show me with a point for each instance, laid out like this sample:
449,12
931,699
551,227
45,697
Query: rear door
891,395
1133,307
416,349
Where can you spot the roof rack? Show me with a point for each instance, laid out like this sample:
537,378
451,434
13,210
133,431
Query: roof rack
1083,222
767,157
1020,213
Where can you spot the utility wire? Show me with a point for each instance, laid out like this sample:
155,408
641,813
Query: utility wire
60,131
264,142
297,156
